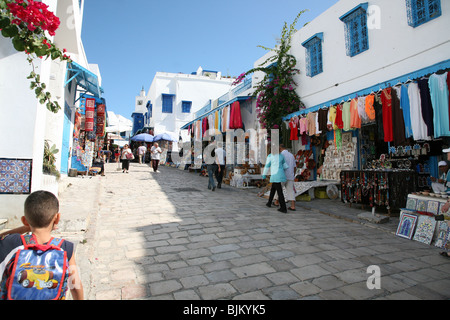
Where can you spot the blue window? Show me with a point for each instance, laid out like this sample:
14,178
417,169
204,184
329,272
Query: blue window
313,47
167,103
422,11
186,106
356,31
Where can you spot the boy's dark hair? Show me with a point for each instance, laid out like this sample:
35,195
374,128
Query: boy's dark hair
40,208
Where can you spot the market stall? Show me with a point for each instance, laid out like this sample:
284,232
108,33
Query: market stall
89,133
379,144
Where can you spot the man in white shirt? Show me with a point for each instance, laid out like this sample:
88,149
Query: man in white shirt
156,156
220,161
141,152
290,175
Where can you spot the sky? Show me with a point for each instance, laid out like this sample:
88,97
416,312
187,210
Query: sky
132,40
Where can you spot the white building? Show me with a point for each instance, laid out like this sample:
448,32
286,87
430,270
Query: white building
393,46
25,124
119,128
174,98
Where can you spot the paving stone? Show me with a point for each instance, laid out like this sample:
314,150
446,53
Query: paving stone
251,283
217,291
328,282
253,270
164,287
134,292
306,288
309,272
182,247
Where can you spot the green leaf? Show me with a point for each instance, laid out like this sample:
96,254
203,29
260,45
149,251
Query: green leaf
4,22
18,44
10,31
55,55
41,51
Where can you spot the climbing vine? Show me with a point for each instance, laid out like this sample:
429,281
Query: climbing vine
275,94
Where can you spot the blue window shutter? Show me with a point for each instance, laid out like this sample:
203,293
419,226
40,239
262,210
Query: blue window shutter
422,11
186,106
314,62
167,103
356,31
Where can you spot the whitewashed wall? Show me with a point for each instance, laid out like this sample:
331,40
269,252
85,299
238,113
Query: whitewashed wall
395,49
185,87
25,124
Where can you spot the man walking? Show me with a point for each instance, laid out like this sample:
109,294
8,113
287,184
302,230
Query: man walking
156,156
290,176
220,161
141,152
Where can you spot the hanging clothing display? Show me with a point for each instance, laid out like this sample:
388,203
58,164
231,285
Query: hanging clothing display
293,125
225,113
405,106
303,124
427,108
386,101
419,127
339,122
332,112
440,101
323,119
355,121
379,117
311,123
346,118
216,121
318,131
362,110
398,124
235,116
369,108
448,87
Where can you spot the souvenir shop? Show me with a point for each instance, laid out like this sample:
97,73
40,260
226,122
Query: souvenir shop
379,145
229,116
88,136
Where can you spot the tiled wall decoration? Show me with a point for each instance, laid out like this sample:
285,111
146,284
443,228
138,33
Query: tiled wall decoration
15,176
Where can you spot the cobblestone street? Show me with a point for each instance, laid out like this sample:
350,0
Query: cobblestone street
166,236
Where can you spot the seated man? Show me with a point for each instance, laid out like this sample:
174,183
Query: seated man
99,163
440,185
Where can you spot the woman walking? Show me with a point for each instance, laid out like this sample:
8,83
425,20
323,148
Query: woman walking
277,164
127,156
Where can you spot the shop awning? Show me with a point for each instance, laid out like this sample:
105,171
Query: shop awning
85,79
383,85
241,98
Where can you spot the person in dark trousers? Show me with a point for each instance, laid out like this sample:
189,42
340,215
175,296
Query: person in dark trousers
127,156
220,161
276,164
156,156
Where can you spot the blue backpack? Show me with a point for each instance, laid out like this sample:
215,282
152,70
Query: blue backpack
36,272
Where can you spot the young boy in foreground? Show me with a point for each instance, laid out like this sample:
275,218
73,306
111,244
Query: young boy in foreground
41,218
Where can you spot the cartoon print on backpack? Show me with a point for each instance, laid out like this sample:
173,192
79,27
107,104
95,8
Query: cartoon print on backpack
36,272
